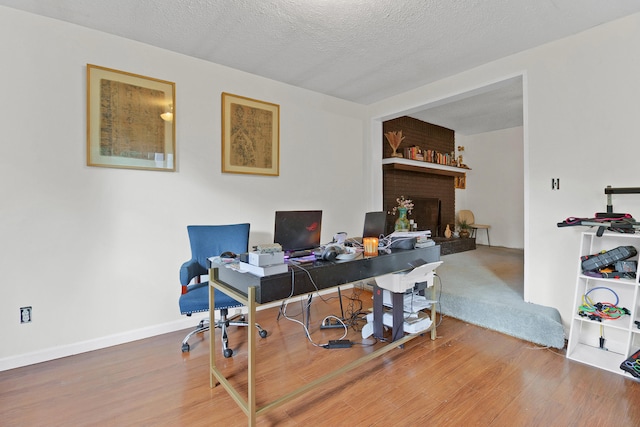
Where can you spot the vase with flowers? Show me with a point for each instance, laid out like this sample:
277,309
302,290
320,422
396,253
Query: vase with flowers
403,208
394,138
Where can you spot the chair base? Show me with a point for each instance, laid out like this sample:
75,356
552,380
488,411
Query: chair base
474,231
223,323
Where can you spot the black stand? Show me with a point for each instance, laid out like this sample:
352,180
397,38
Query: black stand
397,312
609,191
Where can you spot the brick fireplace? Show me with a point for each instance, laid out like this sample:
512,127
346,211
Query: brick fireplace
432,191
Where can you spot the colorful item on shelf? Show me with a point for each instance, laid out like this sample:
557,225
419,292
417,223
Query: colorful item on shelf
403,208
402,223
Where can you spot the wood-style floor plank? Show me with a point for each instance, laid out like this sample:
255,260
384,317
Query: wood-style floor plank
468,376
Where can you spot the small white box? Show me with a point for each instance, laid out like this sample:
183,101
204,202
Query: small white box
260,259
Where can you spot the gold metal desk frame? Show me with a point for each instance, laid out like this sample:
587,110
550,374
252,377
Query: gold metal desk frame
249,405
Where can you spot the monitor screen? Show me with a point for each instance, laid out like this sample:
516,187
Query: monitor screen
297,230
374,224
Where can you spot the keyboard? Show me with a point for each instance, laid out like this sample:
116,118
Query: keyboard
299,254
302,259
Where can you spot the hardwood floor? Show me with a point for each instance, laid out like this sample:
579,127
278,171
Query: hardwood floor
468,376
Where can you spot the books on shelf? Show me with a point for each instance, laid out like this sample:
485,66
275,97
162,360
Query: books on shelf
265,270
430,156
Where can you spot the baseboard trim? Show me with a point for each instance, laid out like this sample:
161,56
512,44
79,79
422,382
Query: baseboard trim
59,352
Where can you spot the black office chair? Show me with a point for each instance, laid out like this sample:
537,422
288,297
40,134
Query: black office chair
207,241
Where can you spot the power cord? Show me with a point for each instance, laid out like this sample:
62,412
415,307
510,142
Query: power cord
306,330
353,316
339,343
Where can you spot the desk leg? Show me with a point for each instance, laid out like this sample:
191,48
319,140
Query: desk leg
433,312
308,310
212,337
251,371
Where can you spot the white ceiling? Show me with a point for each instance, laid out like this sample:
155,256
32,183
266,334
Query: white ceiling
358,50
493,107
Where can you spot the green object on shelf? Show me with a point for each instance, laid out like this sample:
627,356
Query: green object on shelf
402,223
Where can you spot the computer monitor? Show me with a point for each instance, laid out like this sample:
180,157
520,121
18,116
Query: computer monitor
297,230
374,224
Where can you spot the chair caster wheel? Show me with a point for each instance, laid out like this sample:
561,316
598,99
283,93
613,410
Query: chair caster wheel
263,334
185,348
228,352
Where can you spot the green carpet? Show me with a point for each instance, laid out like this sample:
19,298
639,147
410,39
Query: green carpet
485,287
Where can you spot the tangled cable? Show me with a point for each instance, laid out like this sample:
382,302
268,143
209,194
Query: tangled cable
601,310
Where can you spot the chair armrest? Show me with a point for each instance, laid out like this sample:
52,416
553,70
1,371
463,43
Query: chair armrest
189,270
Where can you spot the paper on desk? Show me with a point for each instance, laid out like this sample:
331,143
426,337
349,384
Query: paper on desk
410,233
411,302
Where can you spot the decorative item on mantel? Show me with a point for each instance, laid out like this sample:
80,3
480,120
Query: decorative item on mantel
459,161
394,138
404,207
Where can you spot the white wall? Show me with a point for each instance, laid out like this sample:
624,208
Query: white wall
580,117
96,251
495,185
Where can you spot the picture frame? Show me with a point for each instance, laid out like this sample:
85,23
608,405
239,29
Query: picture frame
460,181
131,121
250,136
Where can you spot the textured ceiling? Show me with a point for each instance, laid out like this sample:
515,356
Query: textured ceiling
358,50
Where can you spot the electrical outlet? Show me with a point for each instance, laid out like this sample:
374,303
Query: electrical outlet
25,314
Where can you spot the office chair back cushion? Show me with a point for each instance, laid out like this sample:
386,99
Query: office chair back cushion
467,216
212,240
207,241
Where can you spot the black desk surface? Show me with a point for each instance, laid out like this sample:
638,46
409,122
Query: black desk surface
325,274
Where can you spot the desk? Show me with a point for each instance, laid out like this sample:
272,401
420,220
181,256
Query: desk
252,291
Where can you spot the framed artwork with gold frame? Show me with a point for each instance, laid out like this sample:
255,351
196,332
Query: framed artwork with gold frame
460,181
250,136
130,120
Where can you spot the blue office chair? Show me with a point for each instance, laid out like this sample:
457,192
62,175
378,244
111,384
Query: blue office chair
208,241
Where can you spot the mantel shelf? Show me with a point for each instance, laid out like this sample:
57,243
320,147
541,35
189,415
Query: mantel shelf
422,167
